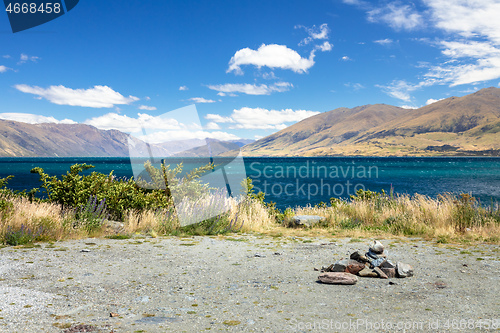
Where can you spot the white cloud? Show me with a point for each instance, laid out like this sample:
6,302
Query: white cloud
147,98
259,118
397,15
97,97
128,124
409,107
146,107
6,56
25,58
432,100
33,118
272,56
345,58
314,33
401,89
4,69
258,137
386,41
325,47
201,100
217,118
269,76
250,89
212,126
183,88
355,86
161,137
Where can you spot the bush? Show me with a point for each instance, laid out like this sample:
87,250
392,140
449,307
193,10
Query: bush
21,236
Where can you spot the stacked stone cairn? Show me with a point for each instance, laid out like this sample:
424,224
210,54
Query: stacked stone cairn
373,263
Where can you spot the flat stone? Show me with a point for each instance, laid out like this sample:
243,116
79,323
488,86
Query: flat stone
338,278
306,220
372,255
380,273
404,270
390,272
367,272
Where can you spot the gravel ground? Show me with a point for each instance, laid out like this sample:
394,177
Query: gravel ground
243,283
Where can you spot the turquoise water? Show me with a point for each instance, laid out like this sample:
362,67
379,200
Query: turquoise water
298,181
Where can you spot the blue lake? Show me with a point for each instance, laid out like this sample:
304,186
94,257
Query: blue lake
291,181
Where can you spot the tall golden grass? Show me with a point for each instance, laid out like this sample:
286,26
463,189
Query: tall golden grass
446,218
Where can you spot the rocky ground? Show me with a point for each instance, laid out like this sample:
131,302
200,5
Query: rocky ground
243,283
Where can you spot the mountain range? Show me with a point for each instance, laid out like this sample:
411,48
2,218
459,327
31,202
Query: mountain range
468,125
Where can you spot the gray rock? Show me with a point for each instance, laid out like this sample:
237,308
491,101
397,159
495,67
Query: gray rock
358,256
387,264
340,266
404,270
306,220
338,278
377,247
377,262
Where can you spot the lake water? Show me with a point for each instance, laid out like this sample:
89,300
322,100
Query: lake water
292,181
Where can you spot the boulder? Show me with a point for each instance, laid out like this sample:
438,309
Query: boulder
338,278
404,270
340,266
377,247
306,220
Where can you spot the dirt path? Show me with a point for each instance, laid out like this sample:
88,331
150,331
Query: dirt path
243,283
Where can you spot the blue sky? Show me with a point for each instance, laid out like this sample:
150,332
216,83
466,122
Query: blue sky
251,67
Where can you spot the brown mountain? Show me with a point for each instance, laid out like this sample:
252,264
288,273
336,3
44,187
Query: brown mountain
64,140
468,125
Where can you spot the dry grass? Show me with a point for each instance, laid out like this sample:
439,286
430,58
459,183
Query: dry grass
45,220
445,219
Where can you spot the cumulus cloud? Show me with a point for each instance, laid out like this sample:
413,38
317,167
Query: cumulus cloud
250,89
409,107
259,118
217,118
96,97
314,32
272,56
212,126
4,69
33,118
183,88
432,101
397,15
146,107
345,58
325,47
129,124
201,100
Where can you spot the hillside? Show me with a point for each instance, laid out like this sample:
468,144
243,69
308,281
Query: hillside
19,139
468,125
